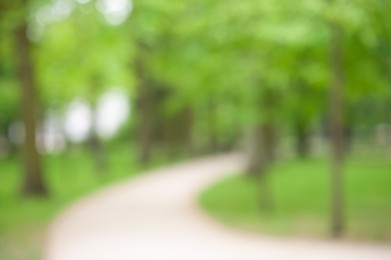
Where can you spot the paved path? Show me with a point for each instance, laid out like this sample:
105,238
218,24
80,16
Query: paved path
155,217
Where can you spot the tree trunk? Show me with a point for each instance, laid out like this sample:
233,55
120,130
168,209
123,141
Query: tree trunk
337,130
212,127
178,132
257,160
98,153
302,140
188,125
144,115
94,143
269,138
262,144
33,181
261,155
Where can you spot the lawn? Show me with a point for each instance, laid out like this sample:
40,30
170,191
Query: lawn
23,221
301,200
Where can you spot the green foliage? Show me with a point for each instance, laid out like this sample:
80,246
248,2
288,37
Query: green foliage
228,51
81,55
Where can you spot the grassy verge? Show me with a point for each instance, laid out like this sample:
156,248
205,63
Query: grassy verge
23,220
301,200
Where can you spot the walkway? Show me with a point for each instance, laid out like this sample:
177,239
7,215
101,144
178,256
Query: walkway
155,217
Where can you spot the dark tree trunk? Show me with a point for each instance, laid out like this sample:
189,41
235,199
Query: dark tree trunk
188,125
144,114
257,158
261,156
33,181
266,201
98,154
94,143
178,132
212,127
337,130
262,144
348,138
270,141
303,147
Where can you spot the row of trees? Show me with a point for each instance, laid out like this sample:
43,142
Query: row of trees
205,76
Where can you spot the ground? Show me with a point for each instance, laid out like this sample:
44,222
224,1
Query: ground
156,216
301,193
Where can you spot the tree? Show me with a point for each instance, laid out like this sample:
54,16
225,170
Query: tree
337,127
33,178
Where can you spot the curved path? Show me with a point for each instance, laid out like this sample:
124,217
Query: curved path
155,217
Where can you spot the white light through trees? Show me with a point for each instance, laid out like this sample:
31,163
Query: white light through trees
78,121
83,1
115,11
112,112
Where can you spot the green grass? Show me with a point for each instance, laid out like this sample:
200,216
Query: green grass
301,200
23,220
